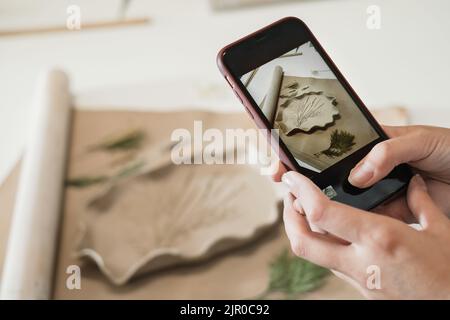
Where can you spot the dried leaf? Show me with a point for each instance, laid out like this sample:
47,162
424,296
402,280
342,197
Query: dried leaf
293,276
130,140
341,142
82,182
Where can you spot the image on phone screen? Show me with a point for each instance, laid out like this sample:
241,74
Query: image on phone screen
316,118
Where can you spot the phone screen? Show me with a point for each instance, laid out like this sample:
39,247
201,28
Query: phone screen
315,116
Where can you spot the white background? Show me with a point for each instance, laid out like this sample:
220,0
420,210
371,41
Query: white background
406,62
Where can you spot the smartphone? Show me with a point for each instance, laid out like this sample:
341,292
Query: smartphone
286,81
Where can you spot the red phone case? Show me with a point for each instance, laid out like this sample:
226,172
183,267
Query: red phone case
255,115
247,104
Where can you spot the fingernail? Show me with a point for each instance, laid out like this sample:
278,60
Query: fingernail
287,179
418,180
361,174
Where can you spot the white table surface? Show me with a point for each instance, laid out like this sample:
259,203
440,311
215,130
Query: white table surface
406,62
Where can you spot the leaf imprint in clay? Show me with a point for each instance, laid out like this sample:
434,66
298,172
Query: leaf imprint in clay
302,109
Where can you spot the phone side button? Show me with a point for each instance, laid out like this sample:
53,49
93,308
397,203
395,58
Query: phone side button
229,82
242,102
238,96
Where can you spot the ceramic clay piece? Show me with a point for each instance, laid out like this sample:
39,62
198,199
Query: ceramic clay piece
302,109
174,215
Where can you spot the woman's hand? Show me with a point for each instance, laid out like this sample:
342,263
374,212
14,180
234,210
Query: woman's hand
426,149
381,256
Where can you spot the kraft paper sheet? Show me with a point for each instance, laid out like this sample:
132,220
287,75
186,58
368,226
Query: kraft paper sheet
304,146
215,278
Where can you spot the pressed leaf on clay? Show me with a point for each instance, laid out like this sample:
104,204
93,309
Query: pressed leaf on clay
303,108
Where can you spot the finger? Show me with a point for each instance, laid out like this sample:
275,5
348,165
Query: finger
309,245
298,207
422,206
439,192
386,155
280,171
396,131
397,209
338,219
